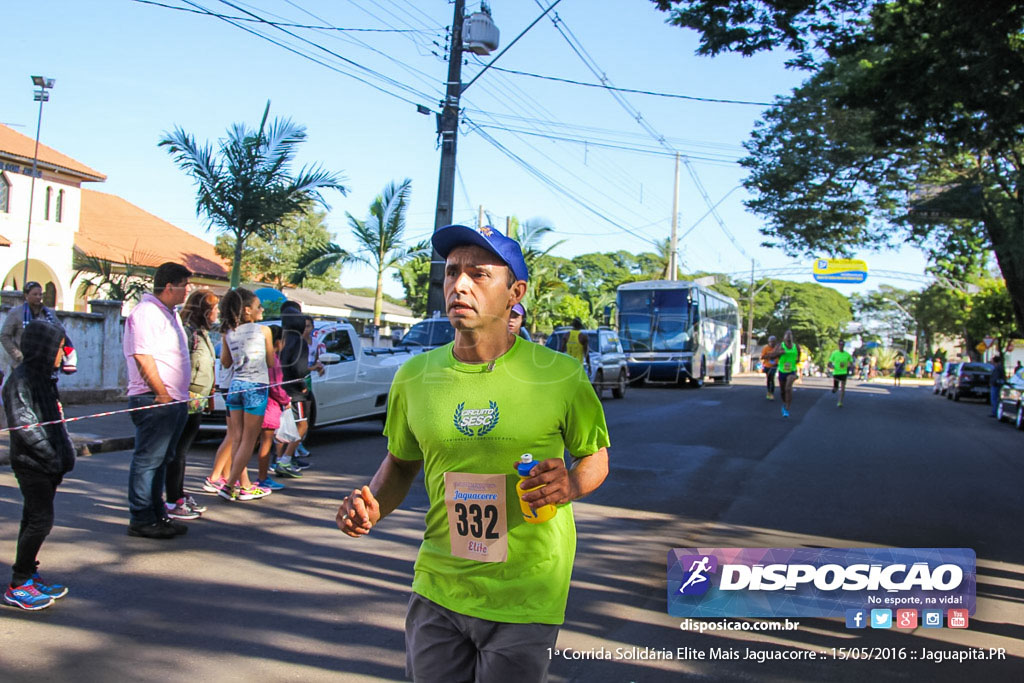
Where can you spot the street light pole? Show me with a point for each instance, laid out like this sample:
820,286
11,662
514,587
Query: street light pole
448,128
41,96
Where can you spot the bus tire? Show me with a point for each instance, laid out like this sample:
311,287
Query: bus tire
727,377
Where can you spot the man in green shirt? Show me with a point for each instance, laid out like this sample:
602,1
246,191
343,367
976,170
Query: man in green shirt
490,589
840,361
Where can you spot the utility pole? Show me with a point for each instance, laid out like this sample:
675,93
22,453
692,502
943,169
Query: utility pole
448,128
673,241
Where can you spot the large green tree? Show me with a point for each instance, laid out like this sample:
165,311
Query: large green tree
246,187
911,117
380,235
282,260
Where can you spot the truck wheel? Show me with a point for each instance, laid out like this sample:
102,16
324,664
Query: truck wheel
599,383
619,390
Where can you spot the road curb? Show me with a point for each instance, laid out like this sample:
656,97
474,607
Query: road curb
87,444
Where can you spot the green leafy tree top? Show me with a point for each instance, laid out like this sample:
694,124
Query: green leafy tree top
246,188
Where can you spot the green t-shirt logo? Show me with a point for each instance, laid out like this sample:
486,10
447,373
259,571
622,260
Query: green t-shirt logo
485,419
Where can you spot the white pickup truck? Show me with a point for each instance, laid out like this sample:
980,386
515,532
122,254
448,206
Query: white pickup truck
355,382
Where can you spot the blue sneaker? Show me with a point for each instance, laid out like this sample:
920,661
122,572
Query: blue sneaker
54,590
27,596
269,483
301,450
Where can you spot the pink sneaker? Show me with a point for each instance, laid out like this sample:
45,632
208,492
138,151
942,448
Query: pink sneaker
211,486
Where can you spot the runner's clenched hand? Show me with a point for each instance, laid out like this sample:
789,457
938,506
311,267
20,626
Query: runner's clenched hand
358,513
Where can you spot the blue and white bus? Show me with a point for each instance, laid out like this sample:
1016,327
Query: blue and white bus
678,331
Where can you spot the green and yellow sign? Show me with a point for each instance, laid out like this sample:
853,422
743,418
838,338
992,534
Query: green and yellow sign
840,270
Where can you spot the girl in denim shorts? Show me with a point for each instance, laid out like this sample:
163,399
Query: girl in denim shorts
247,349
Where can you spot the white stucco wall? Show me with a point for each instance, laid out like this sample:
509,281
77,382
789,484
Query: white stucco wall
50,244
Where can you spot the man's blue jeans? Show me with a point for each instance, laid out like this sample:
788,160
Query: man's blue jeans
993,397
156,439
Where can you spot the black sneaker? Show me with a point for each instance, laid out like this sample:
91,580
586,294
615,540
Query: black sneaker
178,528
300,463
151,530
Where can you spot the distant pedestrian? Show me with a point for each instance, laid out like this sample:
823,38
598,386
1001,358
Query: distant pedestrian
295,369
277,404
995,383
1017,367
20,316
770,363
577,344
40,457
248,349
199,315
516,319
839,362
159,373
899,368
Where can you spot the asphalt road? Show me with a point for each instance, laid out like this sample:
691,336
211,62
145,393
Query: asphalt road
271,590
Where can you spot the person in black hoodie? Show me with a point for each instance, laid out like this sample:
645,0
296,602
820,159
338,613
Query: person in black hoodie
40,457
294,370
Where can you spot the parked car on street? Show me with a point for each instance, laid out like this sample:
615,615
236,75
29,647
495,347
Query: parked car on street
426,335
942,379
1011,399
608,368
971,379
355,382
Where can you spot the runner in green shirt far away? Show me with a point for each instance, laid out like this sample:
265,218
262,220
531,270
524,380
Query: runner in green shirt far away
840,361
788,354
489,588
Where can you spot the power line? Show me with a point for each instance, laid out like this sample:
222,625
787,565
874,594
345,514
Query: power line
577,47
693,98
279,23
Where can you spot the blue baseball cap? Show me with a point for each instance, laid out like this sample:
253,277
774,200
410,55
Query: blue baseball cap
505,248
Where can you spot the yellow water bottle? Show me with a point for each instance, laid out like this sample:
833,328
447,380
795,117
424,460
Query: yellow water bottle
541,514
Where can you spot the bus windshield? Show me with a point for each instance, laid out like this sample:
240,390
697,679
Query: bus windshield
654,320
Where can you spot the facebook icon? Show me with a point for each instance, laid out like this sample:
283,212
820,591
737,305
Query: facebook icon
856,618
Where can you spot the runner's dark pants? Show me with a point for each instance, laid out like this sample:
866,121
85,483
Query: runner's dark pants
176,467
38,489
770,376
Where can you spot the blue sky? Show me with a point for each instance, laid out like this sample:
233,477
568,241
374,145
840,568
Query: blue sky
128,71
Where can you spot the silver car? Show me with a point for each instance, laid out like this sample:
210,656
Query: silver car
607,367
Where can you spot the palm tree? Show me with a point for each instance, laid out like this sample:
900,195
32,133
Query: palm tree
246,187
128,283
316,261
380,235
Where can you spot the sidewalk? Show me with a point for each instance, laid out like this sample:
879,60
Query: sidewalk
94,435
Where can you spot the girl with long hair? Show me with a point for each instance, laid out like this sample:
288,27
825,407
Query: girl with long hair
198,316
248,349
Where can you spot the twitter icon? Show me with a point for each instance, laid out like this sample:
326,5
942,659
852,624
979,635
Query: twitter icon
881,618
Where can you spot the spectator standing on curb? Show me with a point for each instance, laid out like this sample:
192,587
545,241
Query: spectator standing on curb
995,383
295,369
20,316
898,369
516,319
159,372
198,316
248,349
40,457
489,591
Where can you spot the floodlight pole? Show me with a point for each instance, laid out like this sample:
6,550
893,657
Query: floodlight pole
41,96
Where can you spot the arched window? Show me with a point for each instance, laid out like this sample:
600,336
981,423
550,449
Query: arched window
5,194
46,208
60,206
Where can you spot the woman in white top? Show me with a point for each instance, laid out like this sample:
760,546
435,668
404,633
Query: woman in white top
248,350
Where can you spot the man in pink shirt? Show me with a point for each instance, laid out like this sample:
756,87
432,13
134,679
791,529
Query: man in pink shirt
159,372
